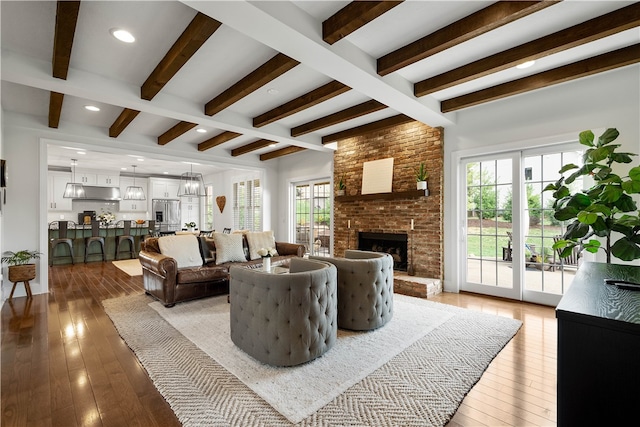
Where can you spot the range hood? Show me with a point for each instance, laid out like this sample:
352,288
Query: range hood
93,192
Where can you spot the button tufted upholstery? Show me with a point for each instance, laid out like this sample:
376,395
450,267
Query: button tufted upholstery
365,289
284,319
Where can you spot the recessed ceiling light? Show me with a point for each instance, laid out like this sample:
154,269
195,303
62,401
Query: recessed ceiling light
272,91
525,65
80,152
91,108
123,169
122,35
272,145
191,163
200,130
141,160
166,173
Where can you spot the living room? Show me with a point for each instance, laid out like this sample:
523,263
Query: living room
544,118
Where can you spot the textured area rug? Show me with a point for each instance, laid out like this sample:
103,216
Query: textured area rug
421,385
131,267
299,391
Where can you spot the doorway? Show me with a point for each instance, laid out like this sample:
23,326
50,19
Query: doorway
312,216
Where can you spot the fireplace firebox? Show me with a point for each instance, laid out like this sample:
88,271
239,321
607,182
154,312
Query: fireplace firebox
395,244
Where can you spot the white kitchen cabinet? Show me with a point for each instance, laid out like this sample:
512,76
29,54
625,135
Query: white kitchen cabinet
134,205
164,189
190,210
107,180
86,177
57,182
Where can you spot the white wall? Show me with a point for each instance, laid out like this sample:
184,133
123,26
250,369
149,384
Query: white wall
551,115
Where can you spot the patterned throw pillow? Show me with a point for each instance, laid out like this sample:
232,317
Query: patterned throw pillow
228,248
257,240
184,248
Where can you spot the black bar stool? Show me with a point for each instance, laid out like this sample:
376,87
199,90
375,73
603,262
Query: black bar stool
95,237
65,237
126,236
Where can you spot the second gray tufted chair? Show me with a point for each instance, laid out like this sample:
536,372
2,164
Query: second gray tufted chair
365,289
284,319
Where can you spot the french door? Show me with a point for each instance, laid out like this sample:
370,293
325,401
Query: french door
509,228
312,216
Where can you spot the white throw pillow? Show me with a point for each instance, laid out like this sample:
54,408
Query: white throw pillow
260,239
228,248
183,248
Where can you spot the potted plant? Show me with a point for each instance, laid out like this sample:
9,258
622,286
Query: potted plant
341,186
190,225
603,209
20,268
421,176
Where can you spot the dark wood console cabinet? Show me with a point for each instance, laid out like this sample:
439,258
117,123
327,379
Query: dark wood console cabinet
599,348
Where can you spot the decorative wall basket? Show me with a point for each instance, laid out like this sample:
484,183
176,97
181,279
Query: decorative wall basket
221,201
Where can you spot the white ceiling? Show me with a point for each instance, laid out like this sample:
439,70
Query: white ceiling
108,73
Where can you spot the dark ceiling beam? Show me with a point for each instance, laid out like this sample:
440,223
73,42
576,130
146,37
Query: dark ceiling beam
379,125
55,108
483,21
192,38
341,116
259,77
66,19
217,140
261,143
281,152
122,122
597,64
586,32
309,99
353,16
175,132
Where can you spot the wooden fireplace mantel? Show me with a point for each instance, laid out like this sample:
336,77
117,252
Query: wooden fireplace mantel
411,194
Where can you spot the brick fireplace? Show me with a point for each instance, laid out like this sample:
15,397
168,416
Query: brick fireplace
408,144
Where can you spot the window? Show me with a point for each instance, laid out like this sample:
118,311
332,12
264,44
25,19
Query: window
247,205
209,203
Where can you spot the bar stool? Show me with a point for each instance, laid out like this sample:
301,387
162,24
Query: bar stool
125,237
95,237
151,230
65,237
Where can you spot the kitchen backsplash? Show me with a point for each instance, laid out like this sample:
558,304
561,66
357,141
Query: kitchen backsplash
99,206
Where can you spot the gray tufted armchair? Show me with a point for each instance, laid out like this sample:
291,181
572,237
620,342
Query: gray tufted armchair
284,319
365,289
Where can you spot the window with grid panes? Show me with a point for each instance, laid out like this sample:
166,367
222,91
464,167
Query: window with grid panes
247,205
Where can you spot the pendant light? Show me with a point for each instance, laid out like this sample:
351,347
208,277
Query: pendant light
134,192
73,190
191,184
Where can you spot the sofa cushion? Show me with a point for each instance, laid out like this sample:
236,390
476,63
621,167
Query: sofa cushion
201,274
184,248
258,240
228,248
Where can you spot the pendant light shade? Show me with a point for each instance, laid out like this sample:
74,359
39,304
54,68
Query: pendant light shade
134,192
73,190
191,184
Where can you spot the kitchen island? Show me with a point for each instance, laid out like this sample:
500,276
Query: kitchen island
109,232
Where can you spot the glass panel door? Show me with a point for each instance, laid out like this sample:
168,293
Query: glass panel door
312,215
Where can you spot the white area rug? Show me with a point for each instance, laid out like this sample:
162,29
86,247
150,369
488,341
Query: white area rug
297,392
423,385
130,266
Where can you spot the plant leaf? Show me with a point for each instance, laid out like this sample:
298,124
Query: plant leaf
603,173
576,230
629,220
625,249
592,246
550,187
562,192
568,167
599,227
611,193
608,136
579,201
599,154
586,138
622,157
587,217
625,203
631,186
634,173
566,213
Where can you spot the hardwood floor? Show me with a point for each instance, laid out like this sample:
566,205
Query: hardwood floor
64,364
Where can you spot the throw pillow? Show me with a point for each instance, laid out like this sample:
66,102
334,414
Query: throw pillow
257,240
228,248
184,248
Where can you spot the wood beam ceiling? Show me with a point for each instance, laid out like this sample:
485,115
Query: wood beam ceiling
217,140
370,127
485,20
587,67
55,108
122,122
309,99
353,16
175,132
66,19
192,38
593,29
339,117
259,77
256,145
281,152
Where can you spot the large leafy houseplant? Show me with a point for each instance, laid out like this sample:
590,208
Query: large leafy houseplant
605,208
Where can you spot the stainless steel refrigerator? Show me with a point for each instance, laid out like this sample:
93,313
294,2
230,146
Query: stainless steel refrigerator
166,212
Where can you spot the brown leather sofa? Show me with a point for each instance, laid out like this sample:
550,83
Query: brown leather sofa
165,281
